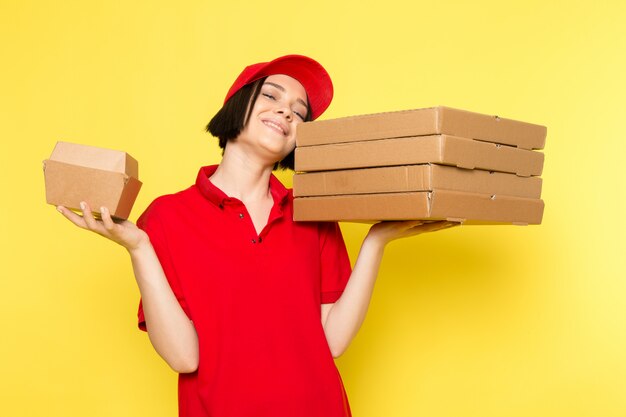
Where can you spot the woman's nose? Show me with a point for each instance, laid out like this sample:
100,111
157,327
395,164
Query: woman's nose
285,111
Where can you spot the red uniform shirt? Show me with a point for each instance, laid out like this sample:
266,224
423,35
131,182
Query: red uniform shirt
254,300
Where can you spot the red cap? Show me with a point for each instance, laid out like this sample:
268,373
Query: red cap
310,73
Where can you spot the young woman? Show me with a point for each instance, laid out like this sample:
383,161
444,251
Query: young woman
247,305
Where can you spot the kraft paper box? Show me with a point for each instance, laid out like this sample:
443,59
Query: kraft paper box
431,164
422,122
441,149
407,178
469,208
101,177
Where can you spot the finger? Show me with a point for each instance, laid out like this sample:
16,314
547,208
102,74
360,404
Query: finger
429,227
398,222
107,221
73,217
405,225
432,225
413,223
399,225
447,225
92,224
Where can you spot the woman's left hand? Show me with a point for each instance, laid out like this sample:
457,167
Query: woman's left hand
385,232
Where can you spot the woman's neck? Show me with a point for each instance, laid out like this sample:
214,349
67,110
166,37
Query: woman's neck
240,177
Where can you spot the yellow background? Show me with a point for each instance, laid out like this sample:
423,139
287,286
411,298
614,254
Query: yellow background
475,321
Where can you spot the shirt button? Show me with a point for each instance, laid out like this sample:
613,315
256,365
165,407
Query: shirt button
253,240
241,215
260,239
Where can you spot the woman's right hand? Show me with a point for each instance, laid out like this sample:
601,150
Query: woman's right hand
123,232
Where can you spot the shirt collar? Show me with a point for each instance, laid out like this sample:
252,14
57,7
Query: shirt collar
218,197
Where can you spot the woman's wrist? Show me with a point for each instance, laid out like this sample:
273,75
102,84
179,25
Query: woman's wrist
143,245
375,240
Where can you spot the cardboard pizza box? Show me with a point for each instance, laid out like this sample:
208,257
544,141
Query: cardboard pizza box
425,177
468,208
422,122
440,149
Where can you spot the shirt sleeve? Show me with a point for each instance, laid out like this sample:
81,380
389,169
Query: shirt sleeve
335,263
151,223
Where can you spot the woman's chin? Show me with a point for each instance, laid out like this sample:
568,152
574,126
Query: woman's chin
276,150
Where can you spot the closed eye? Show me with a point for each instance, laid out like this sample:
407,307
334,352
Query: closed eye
268,95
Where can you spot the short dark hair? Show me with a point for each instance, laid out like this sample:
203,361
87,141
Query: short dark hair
234,115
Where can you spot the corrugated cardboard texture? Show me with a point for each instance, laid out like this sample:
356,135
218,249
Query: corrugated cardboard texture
421,122
101,177
414,178
441,149
435,205
94,157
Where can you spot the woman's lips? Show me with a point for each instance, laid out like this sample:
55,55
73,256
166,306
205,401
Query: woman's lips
275,125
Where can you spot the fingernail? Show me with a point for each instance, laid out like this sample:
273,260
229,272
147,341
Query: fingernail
103,209
59,209
82,205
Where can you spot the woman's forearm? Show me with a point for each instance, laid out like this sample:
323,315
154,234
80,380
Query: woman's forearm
348,313
171,332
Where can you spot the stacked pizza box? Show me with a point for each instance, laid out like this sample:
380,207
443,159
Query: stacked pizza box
433,164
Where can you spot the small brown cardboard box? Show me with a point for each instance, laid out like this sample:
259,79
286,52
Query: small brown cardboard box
470,208
426,177
98,176
442,149
421,122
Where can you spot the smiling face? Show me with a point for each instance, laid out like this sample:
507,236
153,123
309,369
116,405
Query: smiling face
271,129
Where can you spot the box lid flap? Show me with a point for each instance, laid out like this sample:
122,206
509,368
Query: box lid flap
95,157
